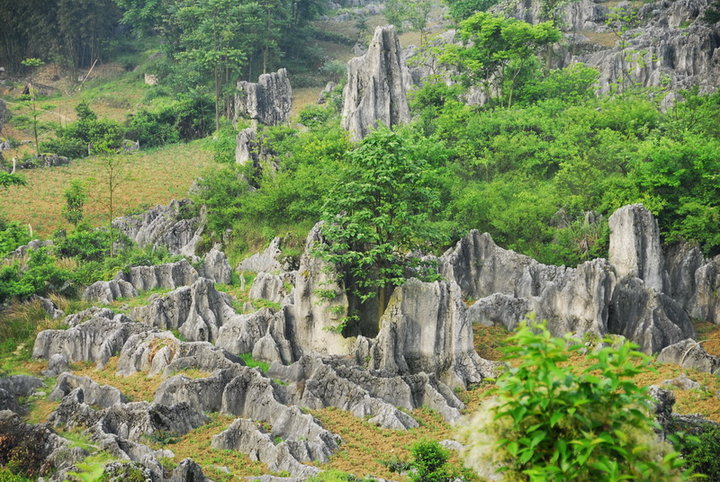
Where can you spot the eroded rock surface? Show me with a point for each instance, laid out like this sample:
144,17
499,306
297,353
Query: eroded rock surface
165,226
690,354
268,101
377,85
267,261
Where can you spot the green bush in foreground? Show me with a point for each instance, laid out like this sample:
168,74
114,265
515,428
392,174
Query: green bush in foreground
548,422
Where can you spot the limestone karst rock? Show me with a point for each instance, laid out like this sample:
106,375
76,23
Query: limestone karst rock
215,267
95,340
107,291
671,45
5,114
689,353
268,101
253,150
268,261
425,329
377,86
165,226
102,396
164,276
272,287
635,245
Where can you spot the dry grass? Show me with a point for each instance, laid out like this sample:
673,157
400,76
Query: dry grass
303,97
152,177
41,410
365,446
197,445
605,39
137,387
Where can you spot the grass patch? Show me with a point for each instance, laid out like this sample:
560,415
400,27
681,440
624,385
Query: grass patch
155,176
252,363
137,387
196,444
41,410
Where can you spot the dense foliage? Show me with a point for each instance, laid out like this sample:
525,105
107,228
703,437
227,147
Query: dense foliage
549,422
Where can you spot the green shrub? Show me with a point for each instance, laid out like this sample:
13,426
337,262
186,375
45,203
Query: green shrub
430,462
547,422
12,235
701,452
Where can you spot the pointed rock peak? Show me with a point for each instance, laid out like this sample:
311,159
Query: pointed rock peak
268,101
377,85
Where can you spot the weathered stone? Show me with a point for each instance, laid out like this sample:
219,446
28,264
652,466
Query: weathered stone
690,354
187,471
215,267
20,385
108,291
377,85
25,250
314,318
245,436
103,396
682,262
652,320
197,311
57,364
50,307
164,276
269,101
499,309
255,151
267,261
96,340
43,161
326,92
9,402
705,302
5,114
425,329
635,245
165,226
161,352
271,287
682,382
122,471
263,333
85,315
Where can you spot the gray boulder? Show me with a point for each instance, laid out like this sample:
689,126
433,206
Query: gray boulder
705,303
57,364
165,276
24,250
108,291
682,262
20,385
690,354
263,333
377,85
103,396
50,307
245,436
271,287
187,471
215,267
5,114
267,261
197,311
652,320
269,101
635,245
425,329
165,226
95,340
162,353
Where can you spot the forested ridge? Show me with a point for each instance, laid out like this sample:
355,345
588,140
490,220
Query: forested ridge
379,313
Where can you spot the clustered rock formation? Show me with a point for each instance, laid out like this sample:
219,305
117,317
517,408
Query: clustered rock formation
420,350
377,85
268,101
670,42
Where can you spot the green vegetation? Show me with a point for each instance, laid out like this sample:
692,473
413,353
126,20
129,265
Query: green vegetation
549,422
252,363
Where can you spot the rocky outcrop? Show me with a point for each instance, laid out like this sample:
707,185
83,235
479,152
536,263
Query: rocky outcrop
377,85
165,226
197,311
35,449
95,340
264,333
690,354
164,276
651,319
319,304
272,287
5,114
254,150
268,261
161,353
50,307
215,267
705,303
43,161
187,471
694,282
245,436
14,387
425,329
89,392
108,291
635,245
269,101
25,249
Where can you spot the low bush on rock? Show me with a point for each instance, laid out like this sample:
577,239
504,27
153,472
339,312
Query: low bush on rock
548,423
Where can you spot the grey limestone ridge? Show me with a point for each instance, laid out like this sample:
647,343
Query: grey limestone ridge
165,226
268,101
419,351
5,114
377,85
671,43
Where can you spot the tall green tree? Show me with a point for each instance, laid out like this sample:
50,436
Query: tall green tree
497,52
379,214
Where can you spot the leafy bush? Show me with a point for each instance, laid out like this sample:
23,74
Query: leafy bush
701,452
76,139
12,235
430,462
548,422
